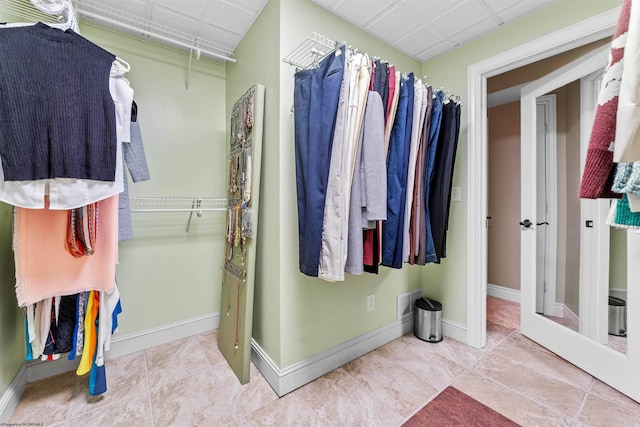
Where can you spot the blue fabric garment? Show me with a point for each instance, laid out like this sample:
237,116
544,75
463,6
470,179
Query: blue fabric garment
301,103
74,339
449,176
377,78
396,179
97,374
397,258
29,355
434,134
441,184
114,316
316,95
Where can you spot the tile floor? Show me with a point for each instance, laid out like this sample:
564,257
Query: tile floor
188,383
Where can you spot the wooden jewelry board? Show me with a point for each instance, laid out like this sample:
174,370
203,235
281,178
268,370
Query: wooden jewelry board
243,196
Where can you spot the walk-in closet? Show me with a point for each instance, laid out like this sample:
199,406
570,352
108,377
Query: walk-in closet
222,212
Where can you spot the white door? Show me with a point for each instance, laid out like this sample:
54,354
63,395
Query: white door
619,370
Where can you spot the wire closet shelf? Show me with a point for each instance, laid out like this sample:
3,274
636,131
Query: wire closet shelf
177,204
192,205
315,47
96,13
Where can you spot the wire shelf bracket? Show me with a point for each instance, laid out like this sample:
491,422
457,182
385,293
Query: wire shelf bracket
311,51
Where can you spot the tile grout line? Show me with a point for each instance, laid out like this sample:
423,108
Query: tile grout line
146,376
470,368
455,377
553,410
576,416
381,398
211,367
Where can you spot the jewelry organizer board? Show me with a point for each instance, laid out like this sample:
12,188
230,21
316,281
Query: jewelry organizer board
243,195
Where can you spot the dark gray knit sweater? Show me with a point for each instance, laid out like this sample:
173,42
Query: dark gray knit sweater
57,116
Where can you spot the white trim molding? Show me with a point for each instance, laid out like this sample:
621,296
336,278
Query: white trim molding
587,31
564,312
11,397
502,292
286,380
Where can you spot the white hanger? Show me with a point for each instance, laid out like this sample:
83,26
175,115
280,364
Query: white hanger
120,66
63,9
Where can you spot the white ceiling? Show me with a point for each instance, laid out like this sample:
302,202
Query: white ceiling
422,29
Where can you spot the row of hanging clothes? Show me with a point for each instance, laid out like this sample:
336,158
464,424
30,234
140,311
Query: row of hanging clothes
375,151
68,126
612,168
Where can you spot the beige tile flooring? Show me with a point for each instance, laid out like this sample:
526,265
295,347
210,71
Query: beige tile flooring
188,383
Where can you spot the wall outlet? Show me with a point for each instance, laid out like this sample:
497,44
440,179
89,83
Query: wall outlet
371,302
455,194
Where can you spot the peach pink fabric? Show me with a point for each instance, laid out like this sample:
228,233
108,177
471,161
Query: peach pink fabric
45,268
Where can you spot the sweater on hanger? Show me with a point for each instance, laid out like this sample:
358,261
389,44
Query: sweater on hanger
57,117
599,170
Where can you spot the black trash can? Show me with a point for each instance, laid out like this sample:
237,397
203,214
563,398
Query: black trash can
617,317
427,320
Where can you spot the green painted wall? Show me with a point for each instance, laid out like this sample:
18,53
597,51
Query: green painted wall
258,62
12,326
618,258
448,282
165,275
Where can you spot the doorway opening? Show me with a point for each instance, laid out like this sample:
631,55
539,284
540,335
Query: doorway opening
589,31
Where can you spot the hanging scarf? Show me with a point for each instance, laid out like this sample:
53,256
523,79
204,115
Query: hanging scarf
81,230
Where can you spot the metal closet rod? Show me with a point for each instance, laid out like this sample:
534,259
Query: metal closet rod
197,203
171,204
153,35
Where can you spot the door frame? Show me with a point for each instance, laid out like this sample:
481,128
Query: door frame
587,31
594,264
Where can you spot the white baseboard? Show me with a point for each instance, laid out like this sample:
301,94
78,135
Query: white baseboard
558,311
571,317
11,397
127,344
288,379
454,330
502,292
561,310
